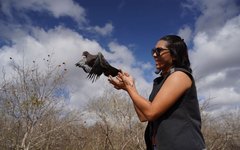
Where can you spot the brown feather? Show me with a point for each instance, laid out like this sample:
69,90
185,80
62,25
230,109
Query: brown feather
99,65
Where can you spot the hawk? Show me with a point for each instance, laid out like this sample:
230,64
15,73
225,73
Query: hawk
96,65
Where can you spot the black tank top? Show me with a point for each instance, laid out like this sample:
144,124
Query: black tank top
180,127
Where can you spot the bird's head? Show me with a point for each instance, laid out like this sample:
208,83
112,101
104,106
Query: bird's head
85,53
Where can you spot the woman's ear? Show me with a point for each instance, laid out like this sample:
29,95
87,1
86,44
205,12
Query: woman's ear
174,60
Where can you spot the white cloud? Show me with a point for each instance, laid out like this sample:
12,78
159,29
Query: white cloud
104,31
213,14
67,46
121,54
218,52
57,8
186,33
215,54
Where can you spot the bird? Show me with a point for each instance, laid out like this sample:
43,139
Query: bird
96,65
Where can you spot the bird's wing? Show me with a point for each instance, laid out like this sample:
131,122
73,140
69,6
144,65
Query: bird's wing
110,70
107,68
86,68
97,69
95,65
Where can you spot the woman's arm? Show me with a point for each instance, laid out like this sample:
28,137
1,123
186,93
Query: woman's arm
173,88
140,115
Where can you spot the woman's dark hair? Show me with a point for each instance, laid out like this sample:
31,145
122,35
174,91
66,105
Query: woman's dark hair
178,50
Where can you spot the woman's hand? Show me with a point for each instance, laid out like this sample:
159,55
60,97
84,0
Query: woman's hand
122,81
116,82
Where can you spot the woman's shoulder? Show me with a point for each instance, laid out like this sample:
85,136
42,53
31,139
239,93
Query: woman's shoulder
180,78
181,72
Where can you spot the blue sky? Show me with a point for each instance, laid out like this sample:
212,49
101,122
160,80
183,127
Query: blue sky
139,24
125,31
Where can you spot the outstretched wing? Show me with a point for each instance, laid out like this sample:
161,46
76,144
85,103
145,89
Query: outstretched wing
111,71
97,69
102,66
96,65
107,68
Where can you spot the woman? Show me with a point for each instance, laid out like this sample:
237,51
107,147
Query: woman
172,111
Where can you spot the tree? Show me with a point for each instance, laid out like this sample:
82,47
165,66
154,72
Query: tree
117,126
221,131
29,101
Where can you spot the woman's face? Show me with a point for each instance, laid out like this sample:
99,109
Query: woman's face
162,56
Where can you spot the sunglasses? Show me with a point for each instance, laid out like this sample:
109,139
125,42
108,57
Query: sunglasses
158,50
